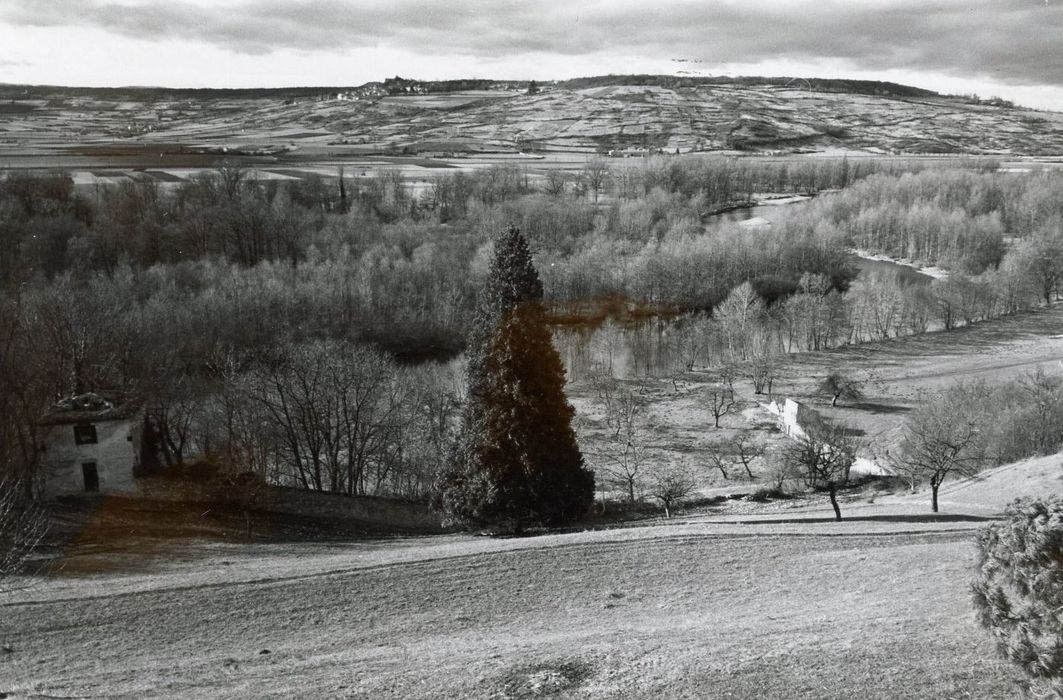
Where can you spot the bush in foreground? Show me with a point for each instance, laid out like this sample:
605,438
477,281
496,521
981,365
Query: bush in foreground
1019,590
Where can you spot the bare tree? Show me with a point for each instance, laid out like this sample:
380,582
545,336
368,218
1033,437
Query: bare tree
720,395
940,440
555,182
839,386
764,368
824,455
721,457
22,525
1044,396
595,175
746,449
671,487
623,449
334,412
23,397
738,315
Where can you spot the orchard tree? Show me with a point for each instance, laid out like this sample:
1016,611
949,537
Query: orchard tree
517,462
824,455
939,440
720,396
671,486
839,386
747,449
1019,590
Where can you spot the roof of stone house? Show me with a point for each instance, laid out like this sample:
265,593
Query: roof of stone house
91,407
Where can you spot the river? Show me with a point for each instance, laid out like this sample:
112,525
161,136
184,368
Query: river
651,346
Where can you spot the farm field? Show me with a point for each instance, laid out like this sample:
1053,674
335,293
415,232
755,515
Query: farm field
698,607
562,125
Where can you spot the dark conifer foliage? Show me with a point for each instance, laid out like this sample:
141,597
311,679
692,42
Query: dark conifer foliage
1019,590
513,281
518,462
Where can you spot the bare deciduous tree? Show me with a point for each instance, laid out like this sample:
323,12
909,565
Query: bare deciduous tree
554,182
824,455
595,175
746,449
720,395
22,525
939,440
721,457
671,486
622,451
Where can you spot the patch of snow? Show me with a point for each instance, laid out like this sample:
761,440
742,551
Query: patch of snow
863,465
934,271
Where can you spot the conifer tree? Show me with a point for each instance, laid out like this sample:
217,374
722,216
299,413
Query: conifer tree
517,462
513,281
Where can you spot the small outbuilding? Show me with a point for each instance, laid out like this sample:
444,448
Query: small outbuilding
91,444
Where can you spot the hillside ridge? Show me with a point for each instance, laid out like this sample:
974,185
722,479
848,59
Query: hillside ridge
617,115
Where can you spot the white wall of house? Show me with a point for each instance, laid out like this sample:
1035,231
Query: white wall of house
790,415
116,453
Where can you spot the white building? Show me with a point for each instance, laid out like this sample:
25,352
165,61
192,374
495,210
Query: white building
91,444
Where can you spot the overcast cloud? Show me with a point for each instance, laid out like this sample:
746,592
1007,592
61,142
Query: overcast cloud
1016,44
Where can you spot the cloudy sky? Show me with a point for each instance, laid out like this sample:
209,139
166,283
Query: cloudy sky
1011,48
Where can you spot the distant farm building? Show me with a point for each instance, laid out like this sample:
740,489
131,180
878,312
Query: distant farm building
792,416
795,417
91,444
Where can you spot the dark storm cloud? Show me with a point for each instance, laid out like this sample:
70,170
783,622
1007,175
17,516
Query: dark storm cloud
1009,40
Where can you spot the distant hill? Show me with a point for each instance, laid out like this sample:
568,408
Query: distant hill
628,114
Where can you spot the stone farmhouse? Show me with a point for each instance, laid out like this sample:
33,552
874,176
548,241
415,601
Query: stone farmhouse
91,444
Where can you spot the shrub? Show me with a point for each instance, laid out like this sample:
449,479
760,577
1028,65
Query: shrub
1019,589
22,525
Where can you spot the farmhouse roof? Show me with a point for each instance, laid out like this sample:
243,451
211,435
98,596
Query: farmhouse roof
91,407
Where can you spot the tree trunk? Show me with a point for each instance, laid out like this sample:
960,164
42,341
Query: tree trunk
934,496
834,401
834,500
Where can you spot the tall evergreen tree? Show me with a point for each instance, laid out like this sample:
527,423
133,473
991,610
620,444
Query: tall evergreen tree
512,282
518,462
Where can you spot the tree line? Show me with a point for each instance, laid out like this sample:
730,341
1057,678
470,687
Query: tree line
141,288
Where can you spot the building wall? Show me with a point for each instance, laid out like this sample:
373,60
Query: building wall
115,452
